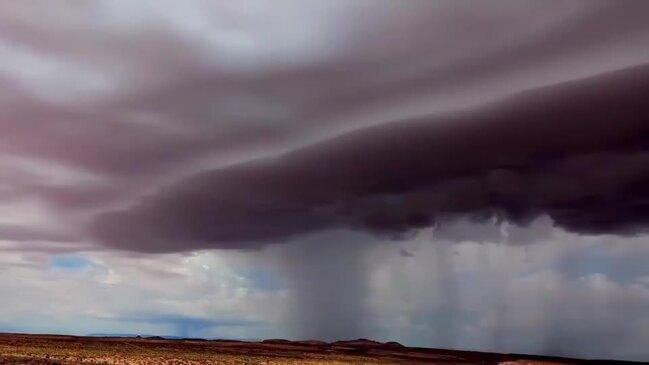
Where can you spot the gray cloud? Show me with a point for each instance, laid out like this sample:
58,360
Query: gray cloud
19,233
526,156
141,98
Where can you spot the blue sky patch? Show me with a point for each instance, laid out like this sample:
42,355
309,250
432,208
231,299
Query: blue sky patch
72,262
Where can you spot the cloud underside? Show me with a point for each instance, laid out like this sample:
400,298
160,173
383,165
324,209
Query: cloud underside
576,151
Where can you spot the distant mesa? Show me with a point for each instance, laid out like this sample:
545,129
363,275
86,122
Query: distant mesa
359,343
155,338
393,344
312,343
277,341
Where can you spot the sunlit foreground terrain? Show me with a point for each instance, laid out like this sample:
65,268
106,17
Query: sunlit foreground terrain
51,349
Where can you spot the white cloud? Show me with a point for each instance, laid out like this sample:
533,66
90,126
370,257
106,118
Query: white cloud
123,294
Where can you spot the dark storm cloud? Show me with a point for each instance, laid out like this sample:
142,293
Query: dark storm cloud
141,98
489,45
576,151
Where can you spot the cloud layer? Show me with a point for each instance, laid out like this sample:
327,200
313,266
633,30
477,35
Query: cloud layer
577,152
143,101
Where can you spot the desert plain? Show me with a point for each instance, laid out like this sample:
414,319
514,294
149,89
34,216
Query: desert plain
58,349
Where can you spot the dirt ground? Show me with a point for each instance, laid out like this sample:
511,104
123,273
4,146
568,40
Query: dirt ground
52,349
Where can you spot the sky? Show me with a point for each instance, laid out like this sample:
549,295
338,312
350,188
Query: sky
455,174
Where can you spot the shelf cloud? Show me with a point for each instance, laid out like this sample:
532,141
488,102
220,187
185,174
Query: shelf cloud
576,152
